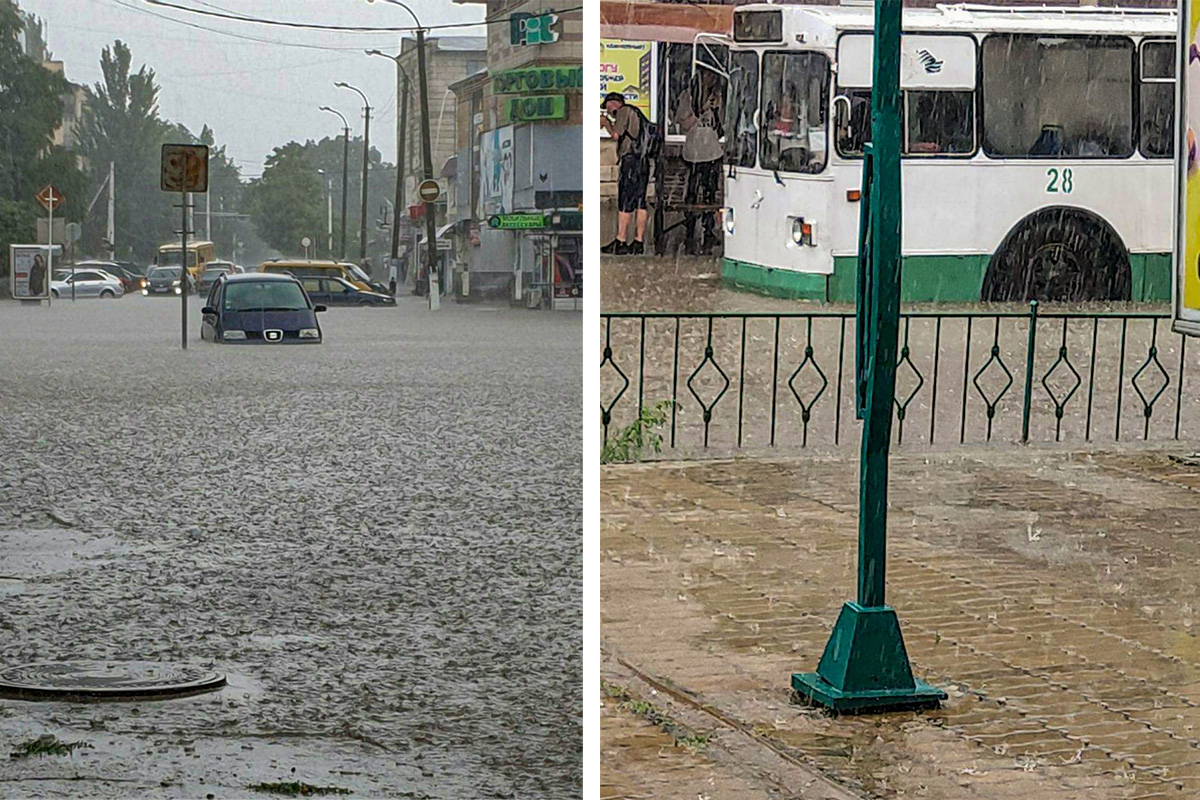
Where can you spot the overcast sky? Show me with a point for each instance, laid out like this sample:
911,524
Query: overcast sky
255,95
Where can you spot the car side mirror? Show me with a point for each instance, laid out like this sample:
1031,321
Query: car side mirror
318,309
208,310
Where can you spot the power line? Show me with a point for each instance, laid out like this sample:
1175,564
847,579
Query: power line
339,28
242,37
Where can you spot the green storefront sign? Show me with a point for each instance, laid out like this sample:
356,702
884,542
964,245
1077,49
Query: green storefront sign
524,109
538,79
512,222
525,29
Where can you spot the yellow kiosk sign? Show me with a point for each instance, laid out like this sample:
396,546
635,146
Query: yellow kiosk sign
1187,164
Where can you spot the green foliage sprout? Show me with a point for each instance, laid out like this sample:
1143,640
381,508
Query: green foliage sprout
639,436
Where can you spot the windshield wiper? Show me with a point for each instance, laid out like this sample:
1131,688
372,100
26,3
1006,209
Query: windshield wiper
274,308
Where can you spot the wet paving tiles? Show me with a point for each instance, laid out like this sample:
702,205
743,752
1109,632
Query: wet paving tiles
1051,593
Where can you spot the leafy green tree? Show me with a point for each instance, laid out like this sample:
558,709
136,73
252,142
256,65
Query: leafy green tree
121,125
286,203
30,112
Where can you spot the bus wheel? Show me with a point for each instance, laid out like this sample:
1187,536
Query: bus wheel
1059,254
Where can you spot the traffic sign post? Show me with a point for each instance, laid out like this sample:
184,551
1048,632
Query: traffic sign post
429,192
52,198
184,169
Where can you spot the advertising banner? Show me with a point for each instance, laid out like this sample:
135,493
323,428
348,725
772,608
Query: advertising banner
29,271
496,171
631,69
1187,183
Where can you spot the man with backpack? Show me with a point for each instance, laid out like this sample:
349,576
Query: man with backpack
634,135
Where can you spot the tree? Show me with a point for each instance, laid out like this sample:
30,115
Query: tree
285,204
30,113
121,125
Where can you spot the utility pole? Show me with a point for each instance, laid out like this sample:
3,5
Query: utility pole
362,236
401,138
345,175
112,242
427,156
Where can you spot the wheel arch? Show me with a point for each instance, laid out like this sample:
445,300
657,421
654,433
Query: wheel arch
1102,232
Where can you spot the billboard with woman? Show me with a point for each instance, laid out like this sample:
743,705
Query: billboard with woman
29,273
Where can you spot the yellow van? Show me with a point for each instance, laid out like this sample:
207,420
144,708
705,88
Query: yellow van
323,269
199,254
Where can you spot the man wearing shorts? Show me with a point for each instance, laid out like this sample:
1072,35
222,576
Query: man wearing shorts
624,123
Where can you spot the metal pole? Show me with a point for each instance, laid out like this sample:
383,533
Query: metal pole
112,233
183,271
865,666
345,184
427,156
401,137
362,236
329,214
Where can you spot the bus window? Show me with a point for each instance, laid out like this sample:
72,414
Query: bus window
1158,99
939,122
741,137
852,137
795,101
1057,96
679,75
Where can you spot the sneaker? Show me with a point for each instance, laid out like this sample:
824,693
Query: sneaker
614,247
637,249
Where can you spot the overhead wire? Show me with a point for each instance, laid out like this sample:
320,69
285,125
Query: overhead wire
337,28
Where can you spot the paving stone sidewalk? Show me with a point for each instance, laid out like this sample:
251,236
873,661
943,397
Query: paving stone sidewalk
1052,594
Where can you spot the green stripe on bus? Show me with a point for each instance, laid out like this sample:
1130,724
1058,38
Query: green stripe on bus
927,279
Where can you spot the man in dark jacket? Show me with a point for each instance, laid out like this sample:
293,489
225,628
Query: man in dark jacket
624,123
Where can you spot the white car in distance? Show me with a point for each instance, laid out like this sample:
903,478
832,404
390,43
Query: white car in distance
85,283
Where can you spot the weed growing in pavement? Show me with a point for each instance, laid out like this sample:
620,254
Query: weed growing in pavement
296,789
630,442
48,745
683,736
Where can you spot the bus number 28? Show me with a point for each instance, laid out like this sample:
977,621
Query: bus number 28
1059,181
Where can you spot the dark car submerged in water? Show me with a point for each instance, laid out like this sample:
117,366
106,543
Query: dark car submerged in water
257,308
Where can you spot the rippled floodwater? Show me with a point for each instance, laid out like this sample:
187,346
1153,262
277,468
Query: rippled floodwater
379,539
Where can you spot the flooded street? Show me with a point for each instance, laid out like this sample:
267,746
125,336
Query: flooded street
377,538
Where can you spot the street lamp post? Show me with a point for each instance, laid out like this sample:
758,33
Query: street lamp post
345,172
401,138
328,211
426,154
362,237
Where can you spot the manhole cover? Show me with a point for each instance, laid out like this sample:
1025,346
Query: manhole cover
106,680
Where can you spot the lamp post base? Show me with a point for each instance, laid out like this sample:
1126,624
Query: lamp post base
865,667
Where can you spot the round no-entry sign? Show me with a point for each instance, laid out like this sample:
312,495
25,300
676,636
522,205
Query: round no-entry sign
429,191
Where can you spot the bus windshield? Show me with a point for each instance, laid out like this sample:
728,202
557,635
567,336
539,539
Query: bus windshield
795,99
170,258
741,137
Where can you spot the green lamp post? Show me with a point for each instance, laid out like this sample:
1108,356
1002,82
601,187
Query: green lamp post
865,666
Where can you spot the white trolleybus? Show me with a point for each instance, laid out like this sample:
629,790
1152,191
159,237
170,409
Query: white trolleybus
1038,149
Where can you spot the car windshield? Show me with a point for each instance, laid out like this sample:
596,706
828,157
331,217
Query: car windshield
164,272
357,272
264,295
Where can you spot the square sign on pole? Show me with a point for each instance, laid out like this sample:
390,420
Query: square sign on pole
184,168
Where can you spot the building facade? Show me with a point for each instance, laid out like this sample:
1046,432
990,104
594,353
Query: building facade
520,159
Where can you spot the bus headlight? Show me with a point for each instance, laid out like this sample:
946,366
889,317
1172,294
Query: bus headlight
802,232
727,219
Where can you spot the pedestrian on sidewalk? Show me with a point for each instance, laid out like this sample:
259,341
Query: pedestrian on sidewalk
700,119
627,125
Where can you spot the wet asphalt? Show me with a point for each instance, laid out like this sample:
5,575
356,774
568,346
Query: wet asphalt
378,539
